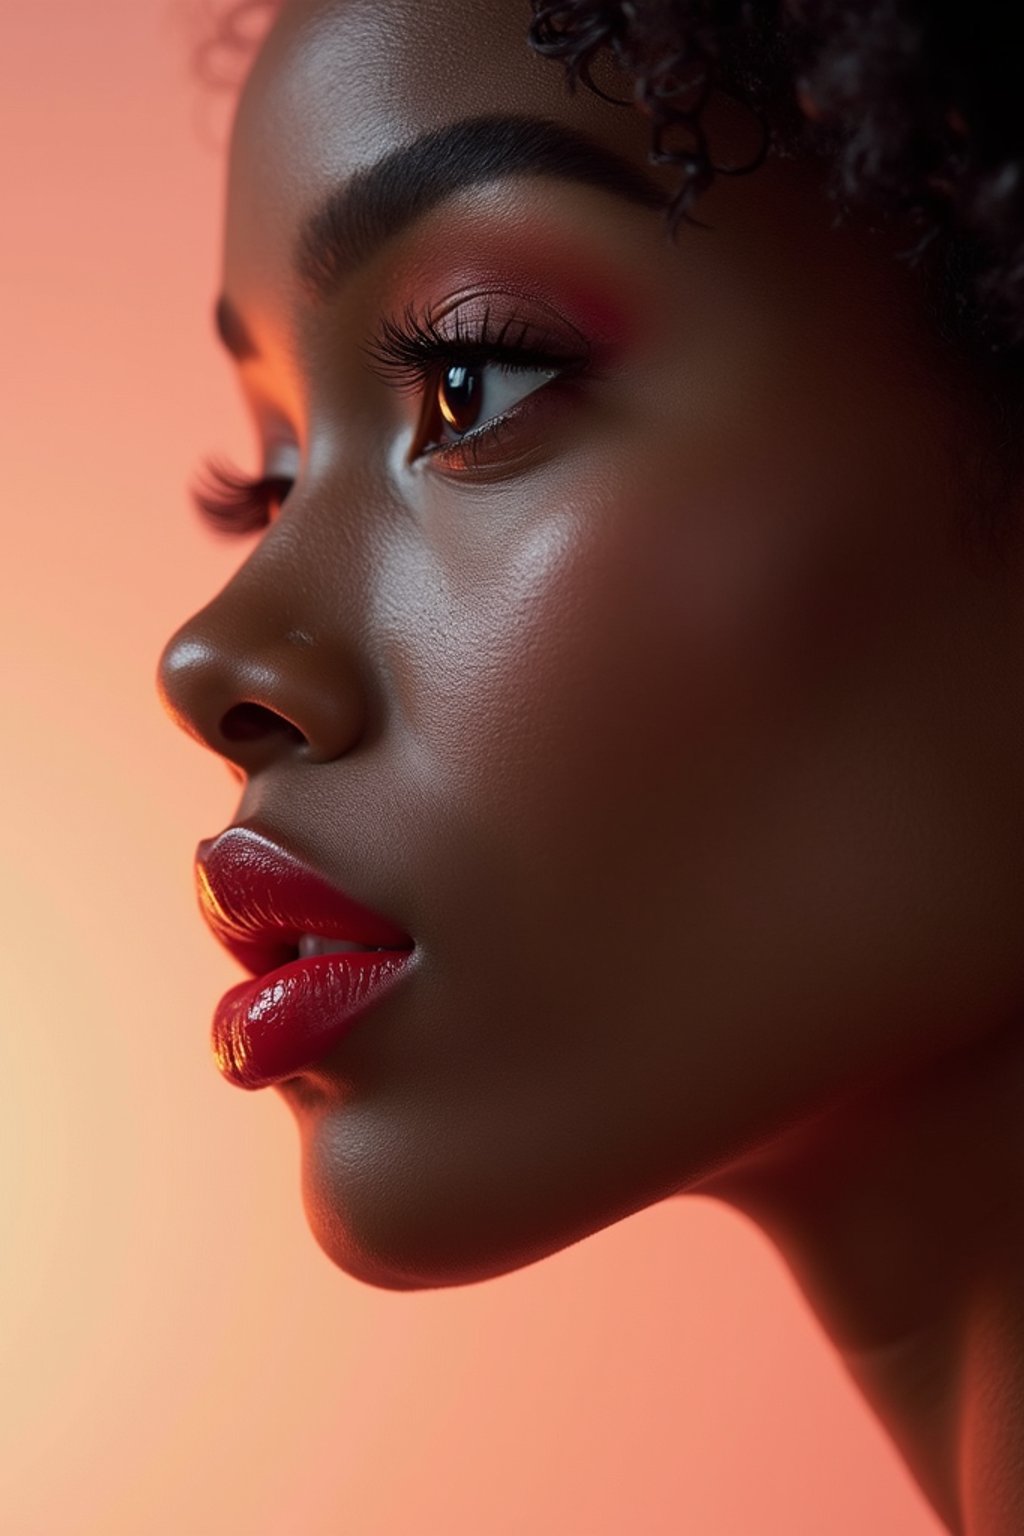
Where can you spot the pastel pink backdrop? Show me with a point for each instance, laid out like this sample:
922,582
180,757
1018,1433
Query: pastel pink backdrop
177,1355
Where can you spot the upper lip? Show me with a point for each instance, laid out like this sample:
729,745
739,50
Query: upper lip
258,898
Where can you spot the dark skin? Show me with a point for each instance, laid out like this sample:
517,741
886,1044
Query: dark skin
683,732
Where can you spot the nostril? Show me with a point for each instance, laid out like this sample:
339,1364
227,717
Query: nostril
247,721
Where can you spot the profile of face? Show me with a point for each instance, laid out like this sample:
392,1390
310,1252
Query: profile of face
627,656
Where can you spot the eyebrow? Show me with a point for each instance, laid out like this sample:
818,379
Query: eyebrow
376,203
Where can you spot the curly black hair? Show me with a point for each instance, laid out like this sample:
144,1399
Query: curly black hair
915,106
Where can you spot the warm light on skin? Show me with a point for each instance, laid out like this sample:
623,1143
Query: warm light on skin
179,1358
679,730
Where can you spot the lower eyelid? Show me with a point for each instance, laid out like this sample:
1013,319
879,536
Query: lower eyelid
513,422
509,411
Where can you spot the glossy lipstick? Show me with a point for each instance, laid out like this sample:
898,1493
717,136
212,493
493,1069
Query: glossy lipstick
259,900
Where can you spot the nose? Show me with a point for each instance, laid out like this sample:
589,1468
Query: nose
245,680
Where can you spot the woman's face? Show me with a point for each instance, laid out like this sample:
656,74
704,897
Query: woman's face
670,717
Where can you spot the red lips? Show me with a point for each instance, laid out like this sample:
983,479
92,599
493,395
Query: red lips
258,899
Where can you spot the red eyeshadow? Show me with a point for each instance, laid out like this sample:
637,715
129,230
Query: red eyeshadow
527,258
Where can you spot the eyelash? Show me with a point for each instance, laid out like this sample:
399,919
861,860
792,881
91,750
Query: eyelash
231,503
410,354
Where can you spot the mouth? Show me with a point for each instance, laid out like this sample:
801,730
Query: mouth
267,906
279,1025
260,954
317,944
317,958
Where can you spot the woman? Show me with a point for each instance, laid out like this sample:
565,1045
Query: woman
627,688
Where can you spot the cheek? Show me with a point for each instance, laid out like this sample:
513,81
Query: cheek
687,868
612,694
592,671
640,655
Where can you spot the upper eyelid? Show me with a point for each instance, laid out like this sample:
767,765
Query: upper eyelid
400,345
475,341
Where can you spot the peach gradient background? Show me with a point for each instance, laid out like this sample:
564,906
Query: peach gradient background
178,1357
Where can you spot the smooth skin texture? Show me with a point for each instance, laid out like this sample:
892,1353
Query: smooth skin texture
684,735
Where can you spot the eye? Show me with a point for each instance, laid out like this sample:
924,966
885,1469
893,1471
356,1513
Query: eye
472,377
469,395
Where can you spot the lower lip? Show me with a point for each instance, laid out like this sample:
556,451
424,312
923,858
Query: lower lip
269,1028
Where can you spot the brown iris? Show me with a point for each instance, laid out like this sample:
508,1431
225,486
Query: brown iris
458,395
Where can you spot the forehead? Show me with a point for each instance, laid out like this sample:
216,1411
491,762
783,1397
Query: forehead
341,83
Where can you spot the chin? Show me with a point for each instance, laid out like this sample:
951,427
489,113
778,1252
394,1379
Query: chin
395,1220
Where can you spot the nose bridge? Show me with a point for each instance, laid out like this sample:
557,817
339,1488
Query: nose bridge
268,666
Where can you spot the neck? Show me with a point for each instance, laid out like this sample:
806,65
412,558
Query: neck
901,1216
